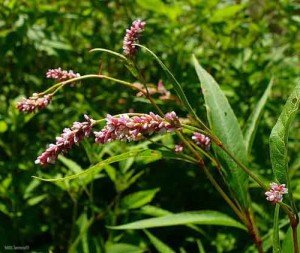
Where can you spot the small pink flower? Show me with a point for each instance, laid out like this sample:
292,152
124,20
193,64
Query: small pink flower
161,89
131,37
61,75
66,141
34,103
178,148
125,128
276,192
202,140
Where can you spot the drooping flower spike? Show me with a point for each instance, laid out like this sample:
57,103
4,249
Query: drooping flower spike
61,75
202,140
276,192
132,36
66,141
34,103
135,128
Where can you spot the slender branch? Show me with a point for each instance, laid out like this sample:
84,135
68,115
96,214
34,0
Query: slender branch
294,224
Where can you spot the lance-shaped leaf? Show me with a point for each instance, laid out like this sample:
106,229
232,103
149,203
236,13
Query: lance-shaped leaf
224,124
252,123
92,171
279,138
160,246
195,217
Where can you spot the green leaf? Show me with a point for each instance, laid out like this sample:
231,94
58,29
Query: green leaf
70,164
276,241
224,124
158,244
200,247
138,199
158,6
157,211
226,13
3,126
92,171
35,200
279,138
122,247
195,217
252,123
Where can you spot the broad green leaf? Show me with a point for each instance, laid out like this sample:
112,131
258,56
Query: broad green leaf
195,217
279,138
253,120
224,124
122,248
288,245
98,167
158,244
138,199
276,241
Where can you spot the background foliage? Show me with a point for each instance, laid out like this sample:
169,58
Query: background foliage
243,44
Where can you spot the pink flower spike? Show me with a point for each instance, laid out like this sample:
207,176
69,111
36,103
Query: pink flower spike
276,192
135,128
202,140
66,141
61,75
132,36
34,103
178,148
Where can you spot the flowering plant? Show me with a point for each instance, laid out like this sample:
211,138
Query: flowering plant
222,143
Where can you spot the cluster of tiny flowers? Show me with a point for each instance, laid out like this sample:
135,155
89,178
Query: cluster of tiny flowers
34,103
165,94
61,75
132,35
66,140
178,148
153,90
275,194
202,140
125,128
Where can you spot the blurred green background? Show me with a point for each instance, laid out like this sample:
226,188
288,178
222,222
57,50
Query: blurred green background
243,44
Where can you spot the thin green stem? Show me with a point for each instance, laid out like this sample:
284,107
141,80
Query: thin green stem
224,195
214,161
61,84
